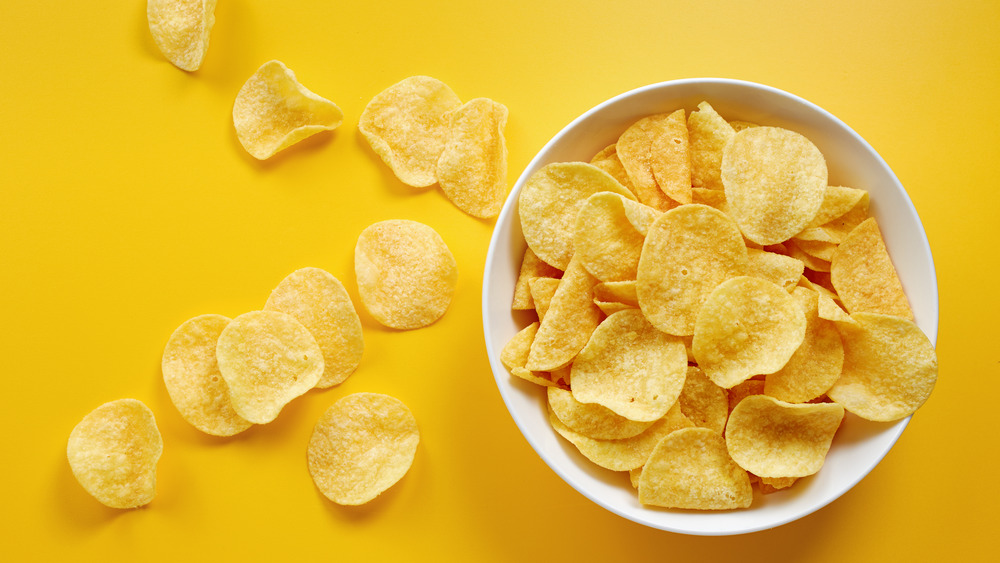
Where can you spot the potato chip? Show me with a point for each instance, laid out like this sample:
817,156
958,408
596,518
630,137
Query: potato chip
691,468
772,438
770,485
181,29
549,202
711,198
191,375
838,201
779,269
571,318
890,367
630,367
531,267
739,125
703,402
542,291
592,420
319,301
361,446
407,125
775,180
864,276
743,390
817,248
406,274
813,263
113,453
608,161
472,168
514,356
747,326
273,111
708,134
606,237
620,291
635,151
267,359
688,251
670,157
842,226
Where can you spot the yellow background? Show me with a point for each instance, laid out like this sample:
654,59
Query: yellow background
127,206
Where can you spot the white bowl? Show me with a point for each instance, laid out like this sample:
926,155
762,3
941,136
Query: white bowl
859,445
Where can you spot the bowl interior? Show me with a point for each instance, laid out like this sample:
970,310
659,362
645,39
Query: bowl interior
859,444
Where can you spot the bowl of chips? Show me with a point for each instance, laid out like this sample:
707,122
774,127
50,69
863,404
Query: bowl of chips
612,138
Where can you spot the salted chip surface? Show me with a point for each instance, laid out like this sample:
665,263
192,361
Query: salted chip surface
514,356
608,161
406,274
531,267
361,446
407,125
863,274
838,201
592,420
703,402
691,468
670,157
610,231
569,321
181,29
777,268
267,358
542,292
772,438
708,134
472,168
890,367
113,453
191,375
775,180
320,302
635,151
273,111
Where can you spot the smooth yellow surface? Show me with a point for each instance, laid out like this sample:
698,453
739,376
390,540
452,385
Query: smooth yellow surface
127,206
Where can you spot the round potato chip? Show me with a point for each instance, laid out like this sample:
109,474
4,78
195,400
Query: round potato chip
181,29
406,274
607,238
361,446
863,274
191,375
472,168
113,453
592,420
703,402
267,358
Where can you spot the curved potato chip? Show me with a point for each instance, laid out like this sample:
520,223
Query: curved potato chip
319,301
569,321
406,274
273,111
779,269
181,29
472,168
113,453
531,267
606,237
738,125
191,375
620,291
708,134
703,402
592,420
812,262
863,274
670,158
608,161
514,356
407,126
542,292
361,446
838,201
635,152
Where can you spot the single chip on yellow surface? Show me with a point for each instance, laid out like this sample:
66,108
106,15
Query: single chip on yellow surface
472,168
407,125
181,29
708,134
592,420
772,438
863,274
703,402
113,453
267,359
531,267
779,269
406,274
635,151
273,111
191,375
610,231
542,291
569,321
361,446
320,302
608,161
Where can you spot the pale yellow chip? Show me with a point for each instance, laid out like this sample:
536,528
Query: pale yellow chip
611,307
191,375
772,438
864,276
890,367
406,274
472,168
817,248
842,226
635,152
320,302
703,402
113,453
670,157
708,134
531,267
739,125
592,420
778,269
743,390
181,29
361,446
620,292
770,485
542,292
691,469
515,355
608,161
273,111
610,231
838,201
711,198
812,262
569,321
407,125
267,359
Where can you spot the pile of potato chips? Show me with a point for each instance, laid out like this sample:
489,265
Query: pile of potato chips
709,308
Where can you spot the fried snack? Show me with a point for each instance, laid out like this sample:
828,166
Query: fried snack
531,267
708,134
779,269
592,420
542,292
610,231
863,274
635,152
670,158
569,321
514,356
181,29
608,161
703,402
472,168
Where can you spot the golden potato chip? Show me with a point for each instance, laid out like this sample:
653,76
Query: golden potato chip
813,263
738,125
611,307
838,201
273,111
407,125
708,134
361,446
670,157
406,273
770,485
828,309
890,367
542,291
842,226
711,198
592,420
772,438
549,202
689,250
775,180
607,237
608,161
472,168
620,291
817,248
191,375
113,453
633,477
743,390
635,151
515,355
703,402
747,326
569,321
691,468
319,301
630,367
779,269
864,276
531,267
267,359
181,29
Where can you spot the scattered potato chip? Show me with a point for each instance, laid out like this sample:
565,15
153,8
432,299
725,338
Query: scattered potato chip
708,134
592,420
569,321
181,29
542,291
864,276
472,168
273,111
361,446
606,237
113,453
191,375
670,157
635,151
608,161
531,267
406,274
779,269
703,402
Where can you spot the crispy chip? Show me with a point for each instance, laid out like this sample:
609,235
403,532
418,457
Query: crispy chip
620,291
779,269
273,111
181,29
515,355
743,390
592,420
838,201
770,485
635,151
708,134
608,161
817,248
571,318
361,446
670,157
813,263
472,168
738,125
703,402
113,453
864,276
531,267
406,274
542,291
607,237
